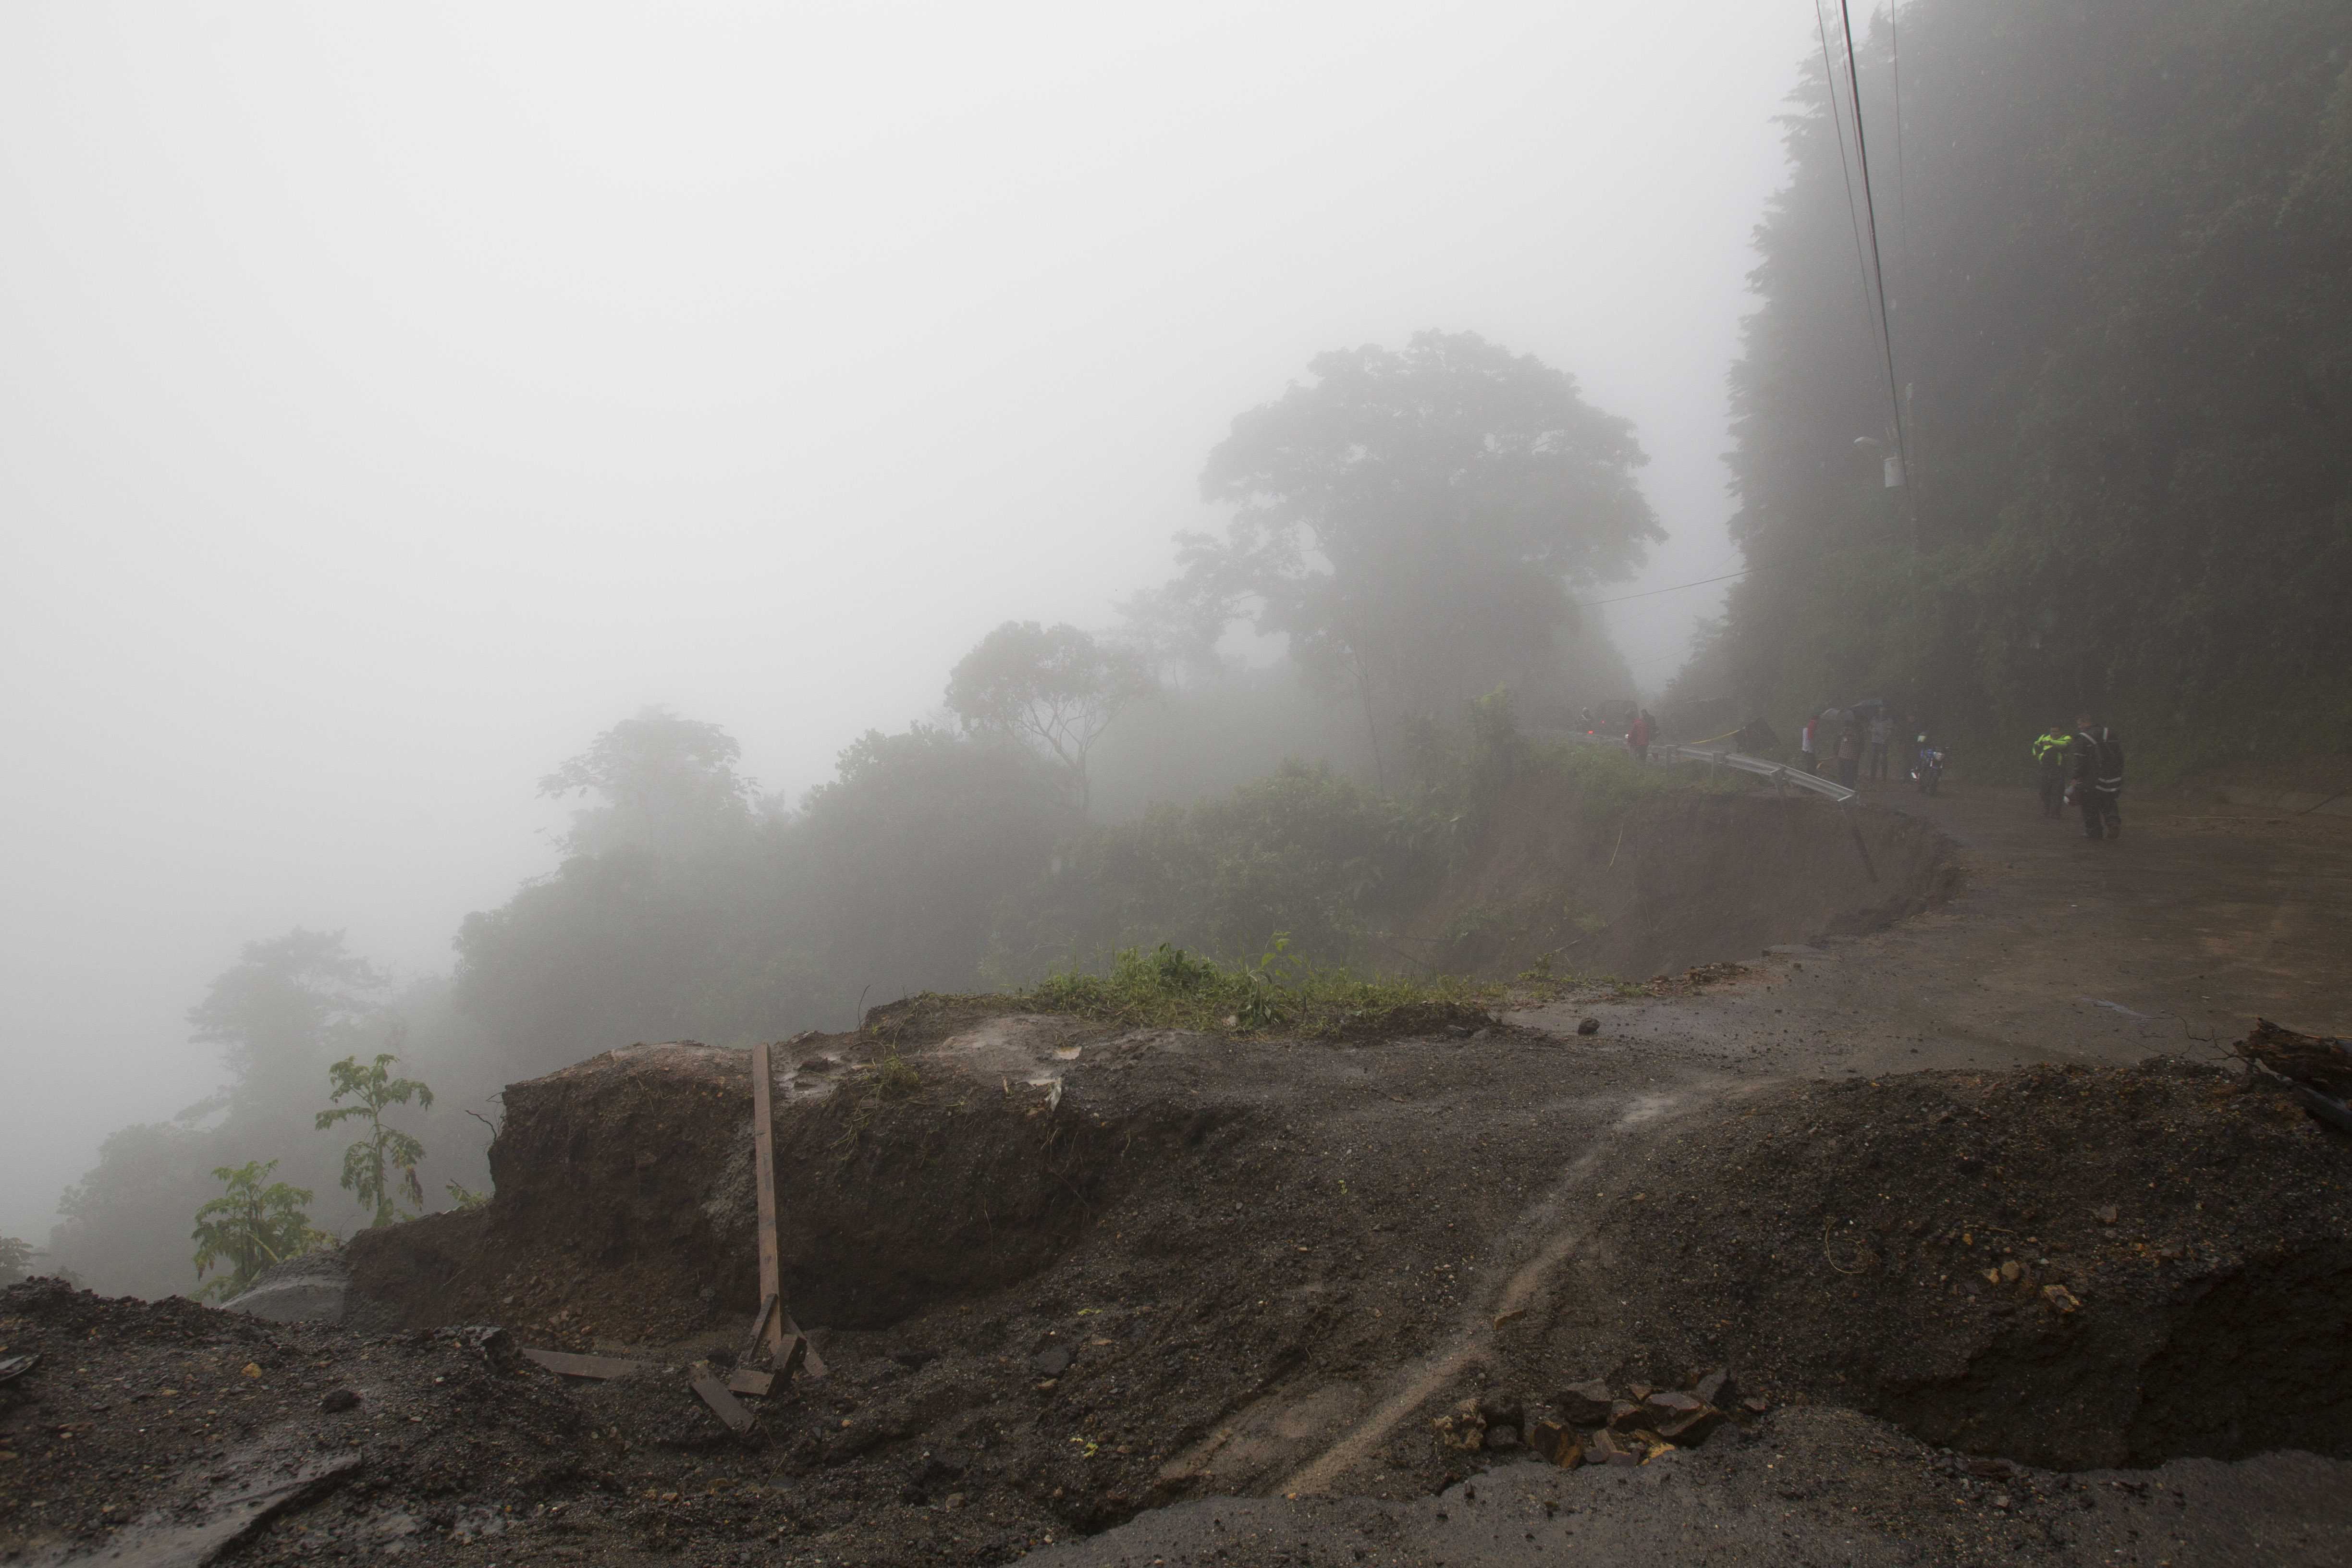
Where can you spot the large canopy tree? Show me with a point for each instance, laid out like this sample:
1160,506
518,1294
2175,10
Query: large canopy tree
660,783
283,1009
1412,521
1052,688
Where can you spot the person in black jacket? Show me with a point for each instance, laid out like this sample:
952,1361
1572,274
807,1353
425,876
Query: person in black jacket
2098,784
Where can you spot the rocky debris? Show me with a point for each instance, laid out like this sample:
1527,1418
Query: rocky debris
1501,1407
1588,1025
1586,1405
1571,1431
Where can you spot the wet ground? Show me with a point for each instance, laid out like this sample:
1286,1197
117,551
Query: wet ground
2056,948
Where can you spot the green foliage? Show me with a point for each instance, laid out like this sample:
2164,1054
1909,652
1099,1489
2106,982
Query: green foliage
1410,522
370,1164
1280,992
250,1226
1606,780
15,1260
1304,851
895,1078
1052,688
2118,260
464,1197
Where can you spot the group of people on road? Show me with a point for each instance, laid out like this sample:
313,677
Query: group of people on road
2081,766
2084,766
1858,740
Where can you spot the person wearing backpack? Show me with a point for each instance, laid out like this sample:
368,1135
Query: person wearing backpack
2098,785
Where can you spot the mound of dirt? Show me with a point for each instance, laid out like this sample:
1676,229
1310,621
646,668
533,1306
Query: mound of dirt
1678,879
624,1204
1064,1274
2070,1267
140,1421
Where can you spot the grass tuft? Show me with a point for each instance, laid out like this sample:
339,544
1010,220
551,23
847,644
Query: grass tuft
1281,993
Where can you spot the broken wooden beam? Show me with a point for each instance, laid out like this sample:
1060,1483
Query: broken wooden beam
753,1342
2316,1060
723,1405
752,1381
602,1366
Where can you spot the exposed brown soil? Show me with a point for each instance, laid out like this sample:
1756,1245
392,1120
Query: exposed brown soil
1679,879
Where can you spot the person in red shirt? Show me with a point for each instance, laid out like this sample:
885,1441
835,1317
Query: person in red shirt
1638,737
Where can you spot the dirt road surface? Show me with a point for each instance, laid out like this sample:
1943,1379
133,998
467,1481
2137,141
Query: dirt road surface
2056,949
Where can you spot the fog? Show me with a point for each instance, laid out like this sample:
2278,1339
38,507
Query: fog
396,396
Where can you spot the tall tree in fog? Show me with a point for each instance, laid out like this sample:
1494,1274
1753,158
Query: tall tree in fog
281,1010
661,783
1052,688
1412,521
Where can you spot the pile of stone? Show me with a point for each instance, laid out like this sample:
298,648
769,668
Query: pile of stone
1589,1423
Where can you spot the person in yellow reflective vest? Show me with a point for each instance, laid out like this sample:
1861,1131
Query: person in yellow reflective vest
2050,760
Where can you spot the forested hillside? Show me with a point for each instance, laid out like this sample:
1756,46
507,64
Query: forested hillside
2114,237
1407,525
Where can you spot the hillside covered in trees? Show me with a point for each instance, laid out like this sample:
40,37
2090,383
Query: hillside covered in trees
1407,530
2114,235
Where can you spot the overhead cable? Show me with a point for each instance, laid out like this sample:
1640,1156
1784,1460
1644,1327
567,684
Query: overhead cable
1653,593
1837,132
1877,268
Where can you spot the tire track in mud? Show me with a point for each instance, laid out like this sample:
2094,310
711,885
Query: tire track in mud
1472,1339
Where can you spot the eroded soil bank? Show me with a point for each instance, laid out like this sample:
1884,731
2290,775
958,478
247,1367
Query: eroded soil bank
1671,880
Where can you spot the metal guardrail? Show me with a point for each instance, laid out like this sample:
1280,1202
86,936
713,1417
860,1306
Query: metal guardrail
1780,774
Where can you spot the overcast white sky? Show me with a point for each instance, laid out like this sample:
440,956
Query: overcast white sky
392,396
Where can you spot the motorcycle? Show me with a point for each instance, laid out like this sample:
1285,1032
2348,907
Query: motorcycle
1927,769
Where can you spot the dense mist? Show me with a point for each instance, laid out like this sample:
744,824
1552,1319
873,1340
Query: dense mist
398,400
538,529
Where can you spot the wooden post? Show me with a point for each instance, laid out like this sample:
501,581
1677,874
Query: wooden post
776,1328
763,1160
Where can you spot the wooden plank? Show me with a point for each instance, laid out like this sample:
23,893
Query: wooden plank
763,1163
751,1381
781,1329
800,1351
723,1405
570,1365
754,1341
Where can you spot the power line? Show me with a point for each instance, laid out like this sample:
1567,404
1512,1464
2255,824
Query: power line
1837,130
1902,184
1653,593
1877,268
